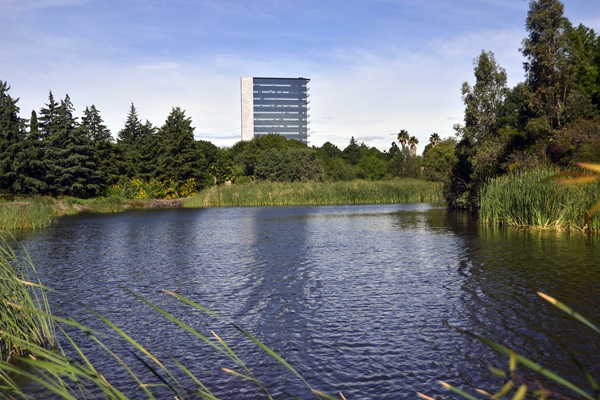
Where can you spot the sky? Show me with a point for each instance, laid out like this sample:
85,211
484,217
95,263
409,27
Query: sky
376,66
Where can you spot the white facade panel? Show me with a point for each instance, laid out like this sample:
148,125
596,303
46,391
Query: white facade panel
247,86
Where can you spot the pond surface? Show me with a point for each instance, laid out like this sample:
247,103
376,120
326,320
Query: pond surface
354,297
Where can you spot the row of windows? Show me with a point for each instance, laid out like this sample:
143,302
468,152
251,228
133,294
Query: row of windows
280,98
287,84
264,104
280,126
279,113
279,119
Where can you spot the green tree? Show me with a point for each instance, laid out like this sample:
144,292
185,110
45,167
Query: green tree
439,159
70,157
101,138
583,48
548,70
178,156
289,165
11,139
341,170
31,180
129,144
483,100
372,167
352,152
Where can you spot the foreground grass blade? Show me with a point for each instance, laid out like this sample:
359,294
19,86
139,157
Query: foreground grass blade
533,366
274,355
569,311
458,391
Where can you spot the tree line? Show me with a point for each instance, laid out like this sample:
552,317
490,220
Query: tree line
55,153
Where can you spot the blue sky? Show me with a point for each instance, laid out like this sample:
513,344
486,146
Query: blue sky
376,66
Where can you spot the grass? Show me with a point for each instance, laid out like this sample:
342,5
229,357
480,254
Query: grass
266,193
536,200
42,211
33,213
23,307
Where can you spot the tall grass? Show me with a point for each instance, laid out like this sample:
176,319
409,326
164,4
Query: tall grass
266,193
23,307
32,213
40,212
534,200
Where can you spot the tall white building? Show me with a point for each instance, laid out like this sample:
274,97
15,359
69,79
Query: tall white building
275,105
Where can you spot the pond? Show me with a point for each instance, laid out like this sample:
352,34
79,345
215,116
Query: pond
354,297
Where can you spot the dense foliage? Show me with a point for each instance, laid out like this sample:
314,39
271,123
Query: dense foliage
59,154
551,118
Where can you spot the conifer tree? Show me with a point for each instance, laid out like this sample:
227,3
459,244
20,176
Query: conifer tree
178,158
128,142
147,148
11,139
32,178
93,127
69,156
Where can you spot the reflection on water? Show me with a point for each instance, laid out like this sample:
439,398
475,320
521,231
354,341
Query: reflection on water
353,296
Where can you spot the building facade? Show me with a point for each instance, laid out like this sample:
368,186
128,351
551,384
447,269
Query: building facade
275,105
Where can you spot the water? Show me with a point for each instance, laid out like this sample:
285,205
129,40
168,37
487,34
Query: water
354,297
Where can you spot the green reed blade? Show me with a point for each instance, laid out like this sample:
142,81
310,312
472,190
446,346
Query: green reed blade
533,366
55,388
205,394
191,303
274,355
569,311
458,391
179,322
127,368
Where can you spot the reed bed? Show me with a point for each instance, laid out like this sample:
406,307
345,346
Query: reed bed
266,193
536,200
32,213
40,212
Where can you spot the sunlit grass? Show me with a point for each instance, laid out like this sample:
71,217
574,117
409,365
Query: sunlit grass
535,199
266,193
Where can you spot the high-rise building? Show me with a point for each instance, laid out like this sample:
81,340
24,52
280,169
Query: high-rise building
275,105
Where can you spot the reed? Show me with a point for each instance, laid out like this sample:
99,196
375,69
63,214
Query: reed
32,213
24,308
267,193
535,200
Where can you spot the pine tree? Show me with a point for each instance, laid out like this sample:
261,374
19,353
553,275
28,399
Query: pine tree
32,179
101,138
11,139
128,143
147,148
69,156
178,158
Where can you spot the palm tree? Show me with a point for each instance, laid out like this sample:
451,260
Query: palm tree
403,137
413,142
434,139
